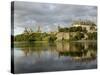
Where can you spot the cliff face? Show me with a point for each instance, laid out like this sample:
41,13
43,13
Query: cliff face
62,36
69,35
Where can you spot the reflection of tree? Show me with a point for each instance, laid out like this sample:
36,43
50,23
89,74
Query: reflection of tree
81,50
73,49
26,51
52,46
29,48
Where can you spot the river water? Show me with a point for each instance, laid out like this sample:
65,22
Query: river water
43,57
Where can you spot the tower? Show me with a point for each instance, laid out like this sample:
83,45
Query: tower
31,30
38,30
26,30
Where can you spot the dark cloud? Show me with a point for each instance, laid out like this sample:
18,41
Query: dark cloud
49,16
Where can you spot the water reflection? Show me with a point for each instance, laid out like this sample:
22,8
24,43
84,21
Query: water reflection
79,50
43,56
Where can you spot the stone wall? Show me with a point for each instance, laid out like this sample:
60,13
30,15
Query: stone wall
62,35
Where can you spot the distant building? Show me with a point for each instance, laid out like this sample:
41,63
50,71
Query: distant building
88,25
38,30
28,30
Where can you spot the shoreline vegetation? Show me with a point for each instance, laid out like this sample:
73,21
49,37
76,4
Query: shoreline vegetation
80,31
56,41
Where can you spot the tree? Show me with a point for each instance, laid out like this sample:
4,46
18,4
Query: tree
78,36
92,28
79,29
52,38
92,36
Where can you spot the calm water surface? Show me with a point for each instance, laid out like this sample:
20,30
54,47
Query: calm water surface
42,57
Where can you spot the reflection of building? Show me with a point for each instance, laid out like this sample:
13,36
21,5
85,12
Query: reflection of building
78,51
61,47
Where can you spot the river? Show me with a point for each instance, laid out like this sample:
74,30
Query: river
60,56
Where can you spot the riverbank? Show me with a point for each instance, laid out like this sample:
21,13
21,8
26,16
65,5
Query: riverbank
85,41
56,41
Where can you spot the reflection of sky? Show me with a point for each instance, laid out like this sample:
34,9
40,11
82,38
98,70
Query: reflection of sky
18,52
49,16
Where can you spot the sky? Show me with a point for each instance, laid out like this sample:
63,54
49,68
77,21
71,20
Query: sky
49,16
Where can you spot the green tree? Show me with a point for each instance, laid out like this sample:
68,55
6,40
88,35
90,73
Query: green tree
78,36
52,38
92,36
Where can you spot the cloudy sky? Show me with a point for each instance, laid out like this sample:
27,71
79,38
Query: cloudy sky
48,16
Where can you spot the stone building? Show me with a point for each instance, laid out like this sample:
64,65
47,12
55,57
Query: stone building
88,25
